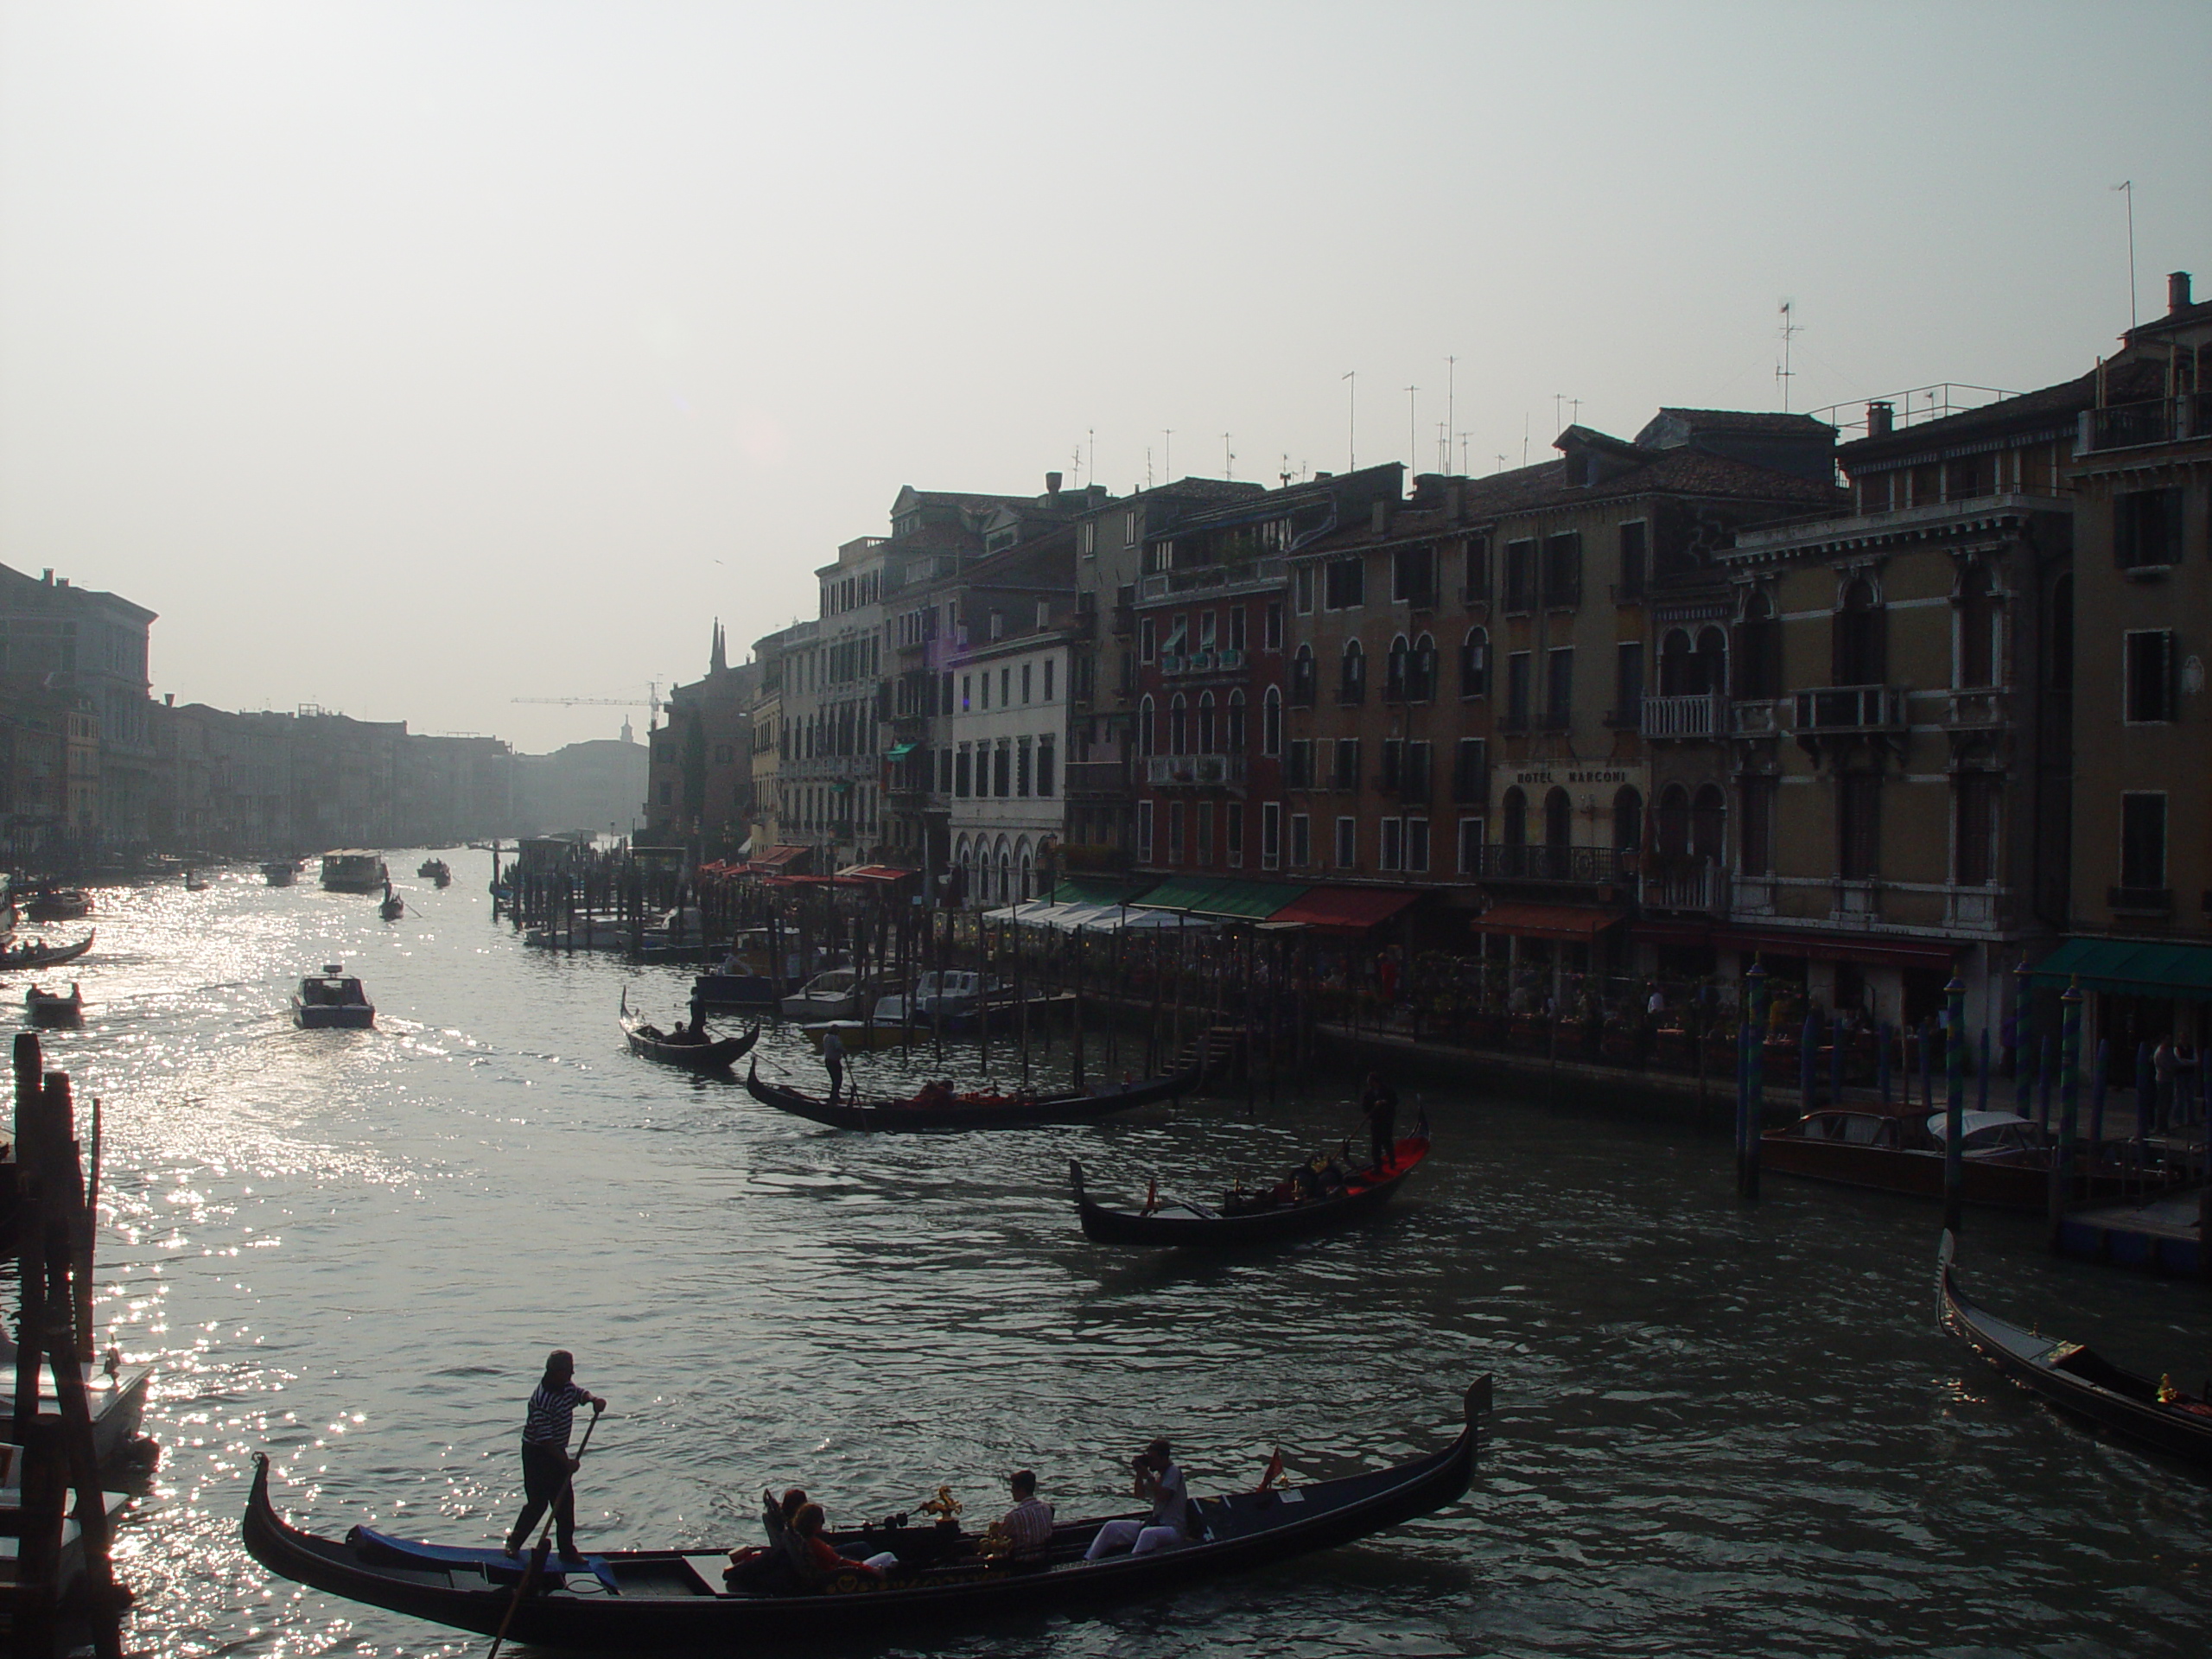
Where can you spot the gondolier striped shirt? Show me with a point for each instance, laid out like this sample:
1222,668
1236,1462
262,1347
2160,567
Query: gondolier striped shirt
552,1411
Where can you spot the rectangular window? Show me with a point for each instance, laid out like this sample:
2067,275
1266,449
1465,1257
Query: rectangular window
1005,686
1475,584
1470,771
1270,834
1393,754
1563,570
1144,832
1205,832
1559,688
1146,643
1635,554
1301,589
1517,670
1470,846
967,693
2143,842
1347,584
1086,538
1298,768
1347,843
1755,837
1859,826
1175,832
1974,851
944,771
1520,575
1232,835
1048,679
1301,841
1347,775
1415,773
1022,770
1474,664
1391,854
1628,682
1237,615
1271,639
1417,846
1412,577
1002,770
1025,682
961,772
2146,529
2149,654
1044,747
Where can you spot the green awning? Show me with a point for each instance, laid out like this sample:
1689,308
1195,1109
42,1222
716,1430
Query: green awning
899,751
1253,902
2131,967
1076,890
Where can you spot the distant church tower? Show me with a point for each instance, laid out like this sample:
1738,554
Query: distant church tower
626,736
719,663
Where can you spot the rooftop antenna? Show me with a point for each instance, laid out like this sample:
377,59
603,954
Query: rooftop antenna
1412,448
1352,428
1501,460
2127,187
1075,465
1147,466
1284,473
1090,471
1444,446
1227,460
1559,398
1790,329
1451,407
1169,459
1464,437
1524,437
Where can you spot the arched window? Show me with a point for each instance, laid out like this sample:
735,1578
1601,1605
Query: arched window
1178,725
1559,833
1006,871
1352,682
1145,732
1234,742
1206,724
1420,673
1628,819
1304,679
1709,673
1393,670
1758,651
1860,639
1708,824
1674,665
1674,821
1271,722
1474,664
1979,608
1021,870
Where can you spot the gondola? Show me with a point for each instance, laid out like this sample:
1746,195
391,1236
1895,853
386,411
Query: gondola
718,1056
2073,1379
657,1600
1249,1218
56,904
1001,1112
392,907
29,957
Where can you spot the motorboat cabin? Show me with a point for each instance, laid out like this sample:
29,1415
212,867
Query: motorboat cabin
832,995
952,994
331,1000
354,871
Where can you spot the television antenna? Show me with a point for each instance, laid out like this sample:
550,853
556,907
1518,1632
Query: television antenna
1790,329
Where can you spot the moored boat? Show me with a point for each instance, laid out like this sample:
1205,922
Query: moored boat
1291,1208
865,1035
332,1001
749,976
52,1012
2071,1377
937,1107
650,1600
56,903
836,993
2006,1160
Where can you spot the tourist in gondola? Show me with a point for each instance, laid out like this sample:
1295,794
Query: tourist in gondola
547,1468
810,1524
833,1061
1379,1106
1028,1524
1160,1483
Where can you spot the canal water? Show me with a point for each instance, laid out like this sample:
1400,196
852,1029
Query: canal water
1719,1429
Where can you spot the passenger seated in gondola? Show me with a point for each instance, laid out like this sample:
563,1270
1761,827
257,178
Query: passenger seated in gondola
808,1525
1159,1482
935,1096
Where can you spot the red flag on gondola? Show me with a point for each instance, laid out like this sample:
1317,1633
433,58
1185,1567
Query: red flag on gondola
1152,1196
1273,1475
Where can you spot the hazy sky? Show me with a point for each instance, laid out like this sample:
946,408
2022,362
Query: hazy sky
410,359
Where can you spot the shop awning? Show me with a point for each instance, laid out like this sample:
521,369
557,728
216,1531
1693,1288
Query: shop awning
1578,923
1253,902
776,858
1077,890
1344,910
1880,950
875,871
899,751
2131,967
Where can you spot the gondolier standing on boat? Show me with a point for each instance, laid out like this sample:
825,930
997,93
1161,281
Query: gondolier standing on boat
1379,1105
546,1466
833,1061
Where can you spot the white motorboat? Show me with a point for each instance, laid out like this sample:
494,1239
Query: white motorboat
836,995
332,1001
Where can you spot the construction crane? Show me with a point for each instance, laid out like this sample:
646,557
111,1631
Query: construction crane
651,701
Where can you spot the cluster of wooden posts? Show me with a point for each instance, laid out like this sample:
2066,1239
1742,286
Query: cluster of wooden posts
54,1207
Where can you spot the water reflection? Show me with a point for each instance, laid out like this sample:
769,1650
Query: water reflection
1719,1429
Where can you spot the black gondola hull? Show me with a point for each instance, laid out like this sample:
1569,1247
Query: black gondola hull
669,1602
1108,1226
2123,1402
719,1056
893,1117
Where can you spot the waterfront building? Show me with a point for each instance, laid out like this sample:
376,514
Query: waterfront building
699,791
769,737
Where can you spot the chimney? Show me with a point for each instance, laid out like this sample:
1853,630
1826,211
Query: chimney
1379,518
2177,291
46,576
168,699
1052,486
1881,420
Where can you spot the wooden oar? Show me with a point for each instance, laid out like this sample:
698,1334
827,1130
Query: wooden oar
544,1545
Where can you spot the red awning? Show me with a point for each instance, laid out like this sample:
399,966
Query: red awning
875,872
1344,910
1883,952
1578,923
776,859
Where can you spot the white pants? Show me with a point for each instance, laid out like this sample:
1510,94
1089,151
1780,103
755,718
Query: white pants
1133,1537
882,1563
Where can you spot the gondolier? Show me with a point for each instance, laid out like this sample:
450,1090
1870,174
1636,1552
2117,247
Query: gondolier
833,1061
546,1466
1379,1105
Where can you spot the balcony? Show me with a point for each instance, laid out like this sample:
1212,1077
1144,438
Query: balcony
2125,426
1759,718
1170,665
1195,771
1267,572
1694,716
1198,662
1228,661
1098,780
1974,907
1587,867
2139,901
1977,711
1847,709
1753,897
1701,886
1125,620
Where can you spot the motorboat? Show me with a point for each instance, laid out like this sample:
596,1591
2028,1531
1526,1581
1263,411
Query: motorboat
749,976
50,1011
332,1001
116,1395
56,903
864,1034
278,872
953,993
836,994
352,870
436,870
